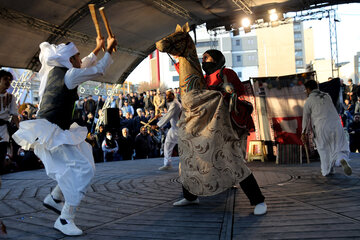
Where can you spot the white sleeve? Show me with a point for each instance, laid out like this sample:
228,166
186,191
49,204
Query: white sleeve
103,147
167,117
75,76
306,115
89,60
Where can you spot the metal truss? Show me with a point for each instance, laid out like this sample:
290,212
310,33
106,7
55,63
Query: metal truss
40,25
66,26
57,32
333,43
172,8
330,14
244,5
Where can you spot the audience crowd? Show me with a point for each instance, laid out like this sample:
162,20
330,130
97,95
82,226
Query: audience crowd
136,135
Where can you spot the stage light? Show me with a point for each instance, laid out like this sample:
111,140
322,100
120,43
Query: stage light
245,22
273,15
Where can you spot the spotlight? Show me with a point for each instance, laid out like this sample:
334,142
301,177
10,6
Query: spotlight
273,15
245,23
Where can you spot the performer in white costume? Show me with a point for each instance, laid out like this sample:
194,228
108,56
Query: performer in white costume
56,140
172,116
321,115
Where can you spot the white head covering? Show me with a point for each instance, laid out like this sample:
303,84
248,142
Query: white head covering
51,56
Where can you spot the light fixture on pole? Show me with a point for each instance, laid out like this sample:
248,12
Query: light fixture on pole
273,17
245,23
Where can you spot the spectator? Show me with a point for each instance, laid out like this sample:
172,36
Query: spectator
127,108
151,118
155,143
148,101
159,102
354,132
90,122
99,138
101,102
120,100
128,123
143,144
134,104
357,106
138,119
349,109
112,102
8,111
109,147
90,106
27,160
350,91
141,103
126,145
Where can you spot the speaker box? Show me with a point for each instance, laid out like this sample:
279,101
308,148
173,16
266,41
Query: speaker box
111,118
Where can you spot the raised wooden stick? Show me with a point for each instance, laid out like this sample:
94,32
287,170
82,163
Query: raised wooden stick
96,23
307,153
106,23
94,18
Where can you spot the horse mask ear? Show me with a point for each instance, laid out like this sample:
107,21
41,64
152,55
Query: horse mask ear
178,28
186,28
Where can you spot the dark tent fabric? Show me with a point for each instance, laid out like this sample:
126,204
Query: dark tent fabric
137,24
332,88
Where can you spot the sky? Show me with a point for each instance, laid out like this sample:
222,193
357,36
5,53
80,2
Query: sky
348,34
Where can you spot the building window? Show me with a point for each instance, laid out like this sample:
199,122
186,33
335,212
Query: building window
299,63
239,74
251,58
237,42
238,58
207,43
297,27
250,41
298,53
175,78
298,45
297,36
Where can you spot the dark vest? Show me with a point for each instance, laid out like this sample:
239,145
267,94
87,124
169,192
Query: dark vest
58,101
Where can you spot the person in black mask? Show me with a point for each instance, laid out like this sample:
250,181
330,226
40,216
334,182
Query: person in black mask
226,80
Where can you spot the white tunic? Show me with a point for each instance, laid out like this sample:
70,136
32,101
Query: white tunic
172,116
66,156
321,115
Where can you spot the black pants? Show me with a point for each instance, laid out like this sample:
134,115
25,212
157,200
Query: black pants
248,185
3,152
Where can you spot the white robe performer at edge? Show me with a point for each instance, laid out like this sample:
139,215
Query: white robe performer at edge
56,140
320,113
172,116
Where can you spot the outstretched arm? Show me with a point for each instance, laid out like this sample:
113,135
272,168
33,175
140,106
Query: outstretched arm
76,76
